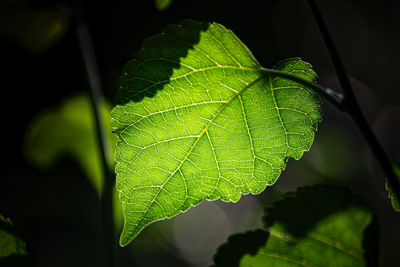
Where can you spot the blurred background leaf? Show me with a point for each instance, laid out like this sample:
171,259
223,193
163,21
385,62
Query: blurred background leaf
10,244
12,248
33,29
162,4
69,130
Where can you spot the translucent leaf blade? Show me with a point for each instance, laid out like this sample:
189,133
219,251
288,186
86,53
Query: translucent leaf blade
197,119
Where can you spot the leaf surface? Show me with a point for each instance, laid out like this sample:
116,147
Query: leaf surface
316,226
198,118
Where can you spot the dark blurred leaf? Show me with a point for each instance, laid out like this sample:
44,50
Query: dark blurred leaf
162,4
10,244
230,253
316,226
69,130
391,194
35,30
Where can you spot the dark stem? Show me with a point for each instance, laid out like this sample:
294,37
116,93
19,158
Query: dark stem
332,97
92,71
350,103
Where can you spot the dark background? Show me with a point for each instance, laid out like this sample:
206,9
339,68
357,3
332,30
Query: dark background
57,212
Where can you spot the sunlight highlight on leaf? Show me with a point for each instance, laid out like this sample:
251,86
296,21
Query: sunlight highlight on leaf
198,119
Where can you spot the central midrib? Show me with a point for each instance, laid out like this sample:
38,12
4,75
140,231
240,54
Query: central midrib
197,140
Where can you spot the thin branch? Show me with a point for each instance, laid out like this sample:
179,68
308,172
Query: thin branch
350,104
93,75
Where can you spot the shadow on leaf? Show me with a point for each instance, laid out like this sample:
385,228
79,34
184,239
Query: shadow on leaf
152,66
308,207
316,226
230,253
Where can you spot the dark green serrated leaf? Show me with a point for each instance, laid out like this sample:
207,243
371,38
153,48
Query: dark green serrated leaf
316,226
238,245
198,118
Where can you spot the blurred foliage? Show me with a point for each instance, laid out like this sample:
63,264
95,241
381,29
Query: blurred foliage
33,29
69,130
391,194
302,231
10,244
117,209
162,4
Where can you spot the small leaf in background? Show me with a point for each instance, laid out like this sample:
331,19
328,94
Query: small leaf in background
33,29
162,4
10,244
197,118
69,130
316,226
392,196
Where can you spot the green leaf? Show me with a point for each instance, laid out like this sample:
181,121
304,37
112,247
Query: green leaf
238,245
10,243
162,4
392,196
33,29
69,130
317,226
198,118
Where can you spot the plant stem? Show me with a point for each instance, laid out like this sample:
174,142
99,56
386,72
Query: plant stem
333,98
92,71
350,104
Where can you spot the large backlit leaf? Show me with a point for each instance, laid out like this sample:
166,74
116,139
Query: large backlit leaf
198,118
313,227
69,130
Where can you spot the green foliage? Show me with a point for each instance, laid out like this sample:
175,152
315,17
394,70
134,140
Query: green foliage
392,196
10,244
162,4
69,130
33,29
315,226
198,118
